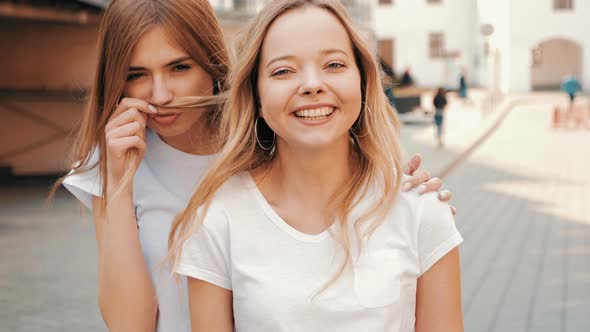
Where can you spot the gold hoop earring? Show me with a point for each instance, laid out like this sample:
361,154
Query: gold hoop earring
258,140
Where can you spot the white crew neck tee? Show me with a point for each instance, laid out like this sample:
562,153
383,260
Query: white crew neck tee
276,271
162,186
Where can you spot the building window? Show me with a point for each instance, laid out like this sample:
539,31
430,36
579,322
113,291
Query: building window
386,52
386,2
436,45
563,4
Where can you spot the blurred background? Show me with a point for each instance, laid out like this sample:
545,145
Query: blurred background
513,148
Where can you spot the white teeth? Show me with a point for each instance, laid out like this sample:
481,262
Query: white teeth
314,113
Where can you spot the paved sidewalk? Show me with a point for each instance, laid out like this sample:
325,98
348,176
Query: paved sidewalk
522,199
466,124
48,270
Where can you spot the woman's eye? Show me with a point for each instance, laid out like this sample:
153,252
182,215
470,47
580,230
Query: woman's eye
280,72
181,67
133,76
335,65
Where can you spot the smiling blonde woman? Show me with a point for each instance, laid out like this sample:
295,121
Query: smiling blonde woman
300,223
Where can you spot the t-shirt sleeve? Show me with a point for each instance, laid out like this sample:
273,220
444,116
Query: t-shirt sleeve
437,233
206,253
86,184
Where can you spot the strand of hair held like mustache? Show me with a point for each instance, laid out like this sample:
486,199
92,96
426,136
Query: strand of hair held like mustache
197,101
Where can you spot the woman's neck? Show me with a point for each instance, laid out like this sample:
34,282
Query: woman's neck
306,181
196,140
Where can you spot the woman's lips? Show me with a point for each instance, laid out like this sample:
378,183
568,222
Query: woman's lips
165,119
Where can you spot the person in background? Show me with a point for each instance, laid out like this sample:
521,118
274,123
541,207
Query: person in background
571,86
463,86
406,79
440,102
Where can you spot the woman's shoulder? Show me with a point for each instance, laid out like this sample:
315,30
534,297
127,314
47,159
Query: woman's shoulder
422,206
235,193
84,181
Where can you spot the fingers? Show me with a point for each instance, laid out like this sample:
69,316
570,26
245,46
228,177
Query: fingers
444,196
453,210
130,129
413,164
433,184
139,104
123,144
420,179
129,116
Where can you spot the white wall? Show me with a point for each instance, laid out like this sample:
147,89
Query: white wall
409,23
521,25
534,21
497,65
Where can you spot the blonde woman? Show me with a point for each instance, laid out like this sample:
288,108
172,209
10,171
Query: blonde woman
151,154
300,224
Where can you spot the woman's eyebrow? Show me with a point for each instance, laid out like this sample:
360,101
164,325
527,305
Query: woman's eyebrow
171,63
323,52
333,50
279,58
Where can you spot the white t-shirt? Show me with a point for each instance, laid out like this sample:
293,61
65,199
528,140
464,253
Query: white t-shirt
275,271
163,184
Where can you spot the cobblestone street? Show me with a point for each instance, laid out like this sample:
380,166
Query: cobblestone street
523,209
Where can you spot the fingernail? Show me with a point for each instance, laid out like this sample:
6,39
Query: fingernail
421,189
444,194
406,186
152,109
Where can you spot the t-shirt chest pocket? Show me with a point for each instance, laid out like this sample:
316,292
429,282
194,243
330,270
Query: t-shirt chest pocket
377,278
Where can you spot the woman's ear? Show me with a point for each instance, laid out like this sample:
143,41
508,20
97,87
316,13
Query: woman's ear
259,108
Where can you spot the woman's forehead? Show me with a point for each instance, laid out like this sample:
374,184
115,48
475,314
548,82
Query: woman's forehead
156,47
305,30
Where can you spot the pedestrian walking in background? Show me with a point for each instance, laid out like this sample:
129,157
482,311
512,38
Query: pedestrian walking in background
440,102
571,86
463,86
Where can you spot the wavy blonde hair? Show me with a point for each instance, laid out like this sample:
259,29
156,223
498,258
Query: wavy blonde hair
190,23
375,134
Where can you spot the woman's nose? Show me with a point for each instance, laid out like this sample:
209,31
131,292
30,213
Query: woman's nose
161,94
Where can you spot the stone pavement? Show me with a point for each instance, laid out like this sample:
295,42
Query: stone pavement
522,197
48,272
523,208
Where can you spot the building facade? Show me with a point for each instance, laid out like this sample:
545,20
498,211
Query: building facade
511,46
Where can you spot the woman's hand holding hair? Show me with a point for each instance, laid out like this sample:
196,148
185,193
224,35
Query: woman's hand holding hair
125,142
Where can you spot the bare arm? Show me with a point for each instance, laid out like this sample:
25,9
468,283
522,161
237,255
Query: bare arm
438,298
210,307
126,296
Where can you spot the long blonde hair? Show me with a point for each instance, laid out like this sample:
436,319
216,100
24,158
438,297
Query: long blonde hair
191,23
375,133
